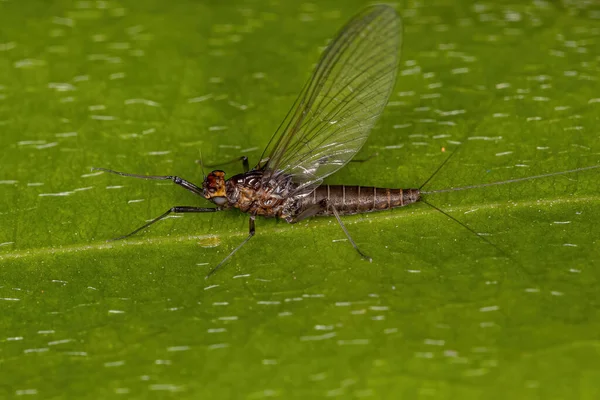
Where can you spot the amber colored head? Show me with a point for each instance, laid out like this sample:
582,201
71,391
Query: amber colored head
214,187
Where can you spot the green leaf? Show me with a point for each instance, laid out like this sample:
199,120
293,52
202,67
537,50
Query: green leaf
142,87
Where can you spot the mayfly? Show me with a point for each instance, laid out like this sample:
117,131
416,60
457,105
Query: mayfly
327,125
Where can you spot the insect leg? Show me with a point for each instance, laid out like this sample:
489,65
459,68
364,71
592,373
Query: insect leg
250,234
176,180
179,209
243,159
339,220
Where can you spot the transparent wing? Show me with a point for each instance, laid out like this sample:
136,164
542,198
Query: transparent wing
338,106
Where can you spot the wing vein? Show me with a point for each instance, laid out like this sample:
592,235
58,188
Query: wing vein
333,115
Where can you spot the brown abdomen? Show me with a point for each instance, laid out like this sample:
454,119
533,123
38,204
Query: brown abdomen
360,199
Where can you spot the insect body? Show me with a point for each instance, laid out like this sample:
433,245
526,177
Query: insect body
275,198
328,124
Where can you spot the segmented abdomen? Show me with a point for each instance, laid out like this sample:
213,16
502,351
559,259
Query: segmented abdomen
360,199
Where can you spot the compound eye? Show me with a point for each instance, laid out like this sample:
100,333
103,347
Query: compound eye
219,200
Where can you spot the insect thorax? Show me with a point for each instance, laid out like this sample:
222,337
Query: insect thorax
258,194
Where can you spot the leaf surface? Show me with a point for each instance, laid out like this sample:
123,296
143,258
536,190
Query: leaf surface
142,87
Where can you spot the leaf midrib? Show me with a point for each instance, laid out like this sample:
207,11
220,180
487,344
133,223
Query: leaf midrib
162,240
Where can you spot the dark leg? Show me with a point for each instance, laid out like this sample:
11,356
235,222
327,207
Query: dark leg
243,159
176,180
250,234
180,209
